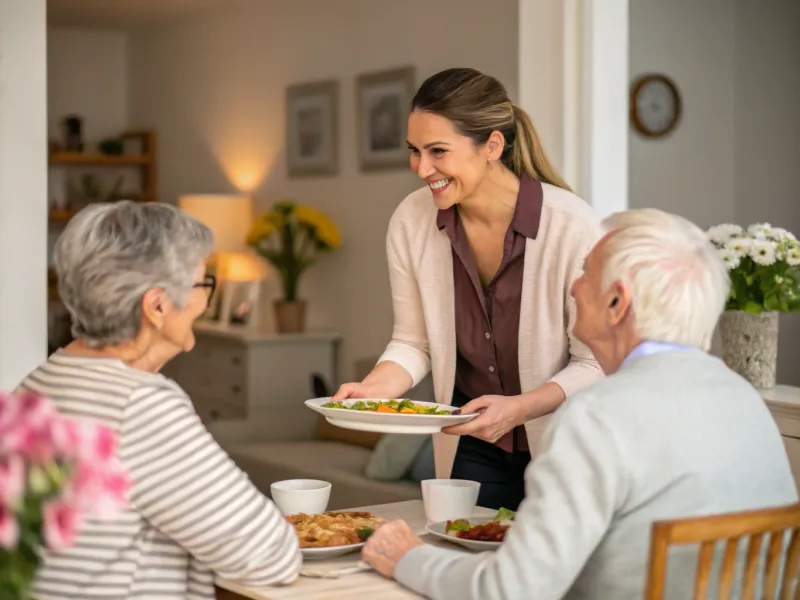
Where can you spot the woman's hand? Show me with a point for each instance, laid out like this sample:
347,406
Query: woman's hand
353,389
498,415
387,380
388,545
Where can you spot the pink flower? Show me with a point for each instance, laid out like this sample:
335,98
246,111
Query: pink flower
12,480
9,529
61,523
66,437
35,410
99,490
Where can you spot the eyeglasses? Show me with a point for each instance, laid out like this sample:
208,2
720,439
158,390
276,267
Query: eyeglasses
210,283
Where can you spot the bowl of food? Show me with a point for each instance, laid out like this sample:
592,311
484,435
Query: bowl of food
388,415
475,534
331,534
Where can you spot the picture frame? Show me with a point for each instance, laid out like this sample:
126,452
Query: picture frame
383,101
240,304
312,130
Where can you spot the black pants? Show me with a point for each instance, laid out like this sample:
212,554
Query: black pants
500,473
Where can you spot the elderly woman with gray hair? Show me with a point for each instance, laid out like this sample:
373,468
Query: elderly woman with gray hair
133,278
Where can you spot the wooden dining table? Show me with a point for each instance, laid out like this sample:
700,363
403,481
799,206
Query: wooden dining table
364,584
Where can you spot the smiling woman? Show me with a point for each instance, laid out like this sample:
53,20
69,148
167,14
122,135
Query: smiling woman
481,262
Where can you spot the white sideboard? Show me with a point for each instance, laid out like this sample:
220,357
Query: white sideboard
232,373
784,403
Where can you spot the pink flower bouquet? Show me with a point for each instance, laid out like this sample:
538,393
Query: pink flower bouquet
55,473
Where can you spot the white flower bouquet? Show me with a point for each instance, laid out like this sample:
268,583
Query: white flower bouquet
763,263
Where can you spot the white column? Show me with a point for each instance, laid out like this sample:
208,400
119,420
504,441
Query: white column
573,80
604,104
23,188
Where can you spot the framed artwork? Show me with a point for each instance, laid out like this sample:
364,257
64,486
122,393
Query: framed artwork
312,129
383,101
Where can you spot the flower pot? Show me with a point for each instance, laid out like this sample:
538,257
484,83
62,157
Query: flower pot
750,345
290,317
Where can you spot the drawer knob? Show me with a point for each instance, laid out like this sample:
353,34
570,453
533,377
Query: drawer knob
236,361
213,414
236,389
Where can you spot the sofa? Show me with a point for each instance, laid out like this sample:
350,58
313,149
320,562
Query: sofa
295,443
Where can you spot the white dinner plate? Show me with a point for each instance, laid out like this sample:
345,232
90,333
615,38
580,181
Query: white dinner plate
364,420
437,530
332,552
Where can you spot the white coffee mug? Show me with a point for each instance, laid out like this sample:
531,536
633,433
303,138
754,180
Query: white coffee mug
294,496
449,499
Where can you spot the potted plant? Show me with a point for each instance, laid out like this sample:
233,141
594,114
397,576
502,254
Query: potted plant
291,237
763,266
55,473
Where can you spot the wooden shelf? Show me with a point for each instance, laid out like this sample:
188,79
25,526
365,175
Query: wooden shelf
70,158
60,216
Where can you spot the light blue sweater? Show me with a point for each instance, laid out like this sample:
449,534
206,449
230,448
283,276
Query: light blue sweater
670,435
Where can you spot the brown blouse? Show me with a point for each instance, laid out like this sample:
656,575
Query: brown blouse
487,318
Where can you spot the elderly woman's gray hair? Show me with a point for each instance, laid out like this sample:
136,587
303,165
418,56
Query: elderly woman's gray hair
110,254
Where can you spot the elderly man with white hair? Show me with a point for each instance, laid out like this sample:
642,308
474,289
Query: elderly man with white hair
670,433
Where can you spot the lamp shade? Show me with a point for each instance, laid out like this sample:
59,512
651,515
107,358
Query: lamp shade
229,216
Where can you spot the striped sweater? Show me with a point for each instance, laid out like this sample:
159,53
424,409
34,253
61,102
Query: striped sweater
191,511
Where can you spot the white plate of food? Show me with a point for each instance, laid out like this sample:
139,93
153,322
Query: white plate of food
384,415
475,534
332,534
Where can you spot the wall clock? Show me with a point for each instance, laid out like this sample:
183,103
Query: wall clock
655,105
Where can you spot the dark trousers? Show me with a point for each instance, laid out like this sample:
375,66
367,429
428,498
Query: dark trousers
500,473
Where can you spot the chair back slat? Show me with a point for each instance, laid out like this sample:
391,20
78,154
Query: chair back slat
792,566
703,573
728,569
773,566
751,566
764,532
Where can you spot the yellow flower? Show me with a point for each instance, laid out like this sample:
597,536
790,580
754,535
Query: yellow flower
264,226
324,228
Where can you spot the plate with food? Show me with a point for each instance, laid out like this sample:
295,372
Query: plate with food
388,415
475,534
332,534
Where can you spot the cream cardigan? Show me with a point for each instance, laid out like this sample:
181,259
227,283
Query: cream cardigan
424,337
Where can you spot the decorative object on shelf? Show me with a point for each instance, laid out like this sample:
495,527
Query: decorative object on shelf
290,237
112,147
655,105
764,267
55,473
383,100
312,136
242,274
73,133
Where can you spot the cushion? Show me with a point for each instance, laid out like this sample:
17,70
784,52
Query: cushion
332,433
393,456
424,465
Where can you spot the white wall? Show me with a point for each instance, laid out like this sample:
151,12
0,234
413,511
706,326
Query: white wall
87,75
735,154
691,172
214,89
23,189
767,134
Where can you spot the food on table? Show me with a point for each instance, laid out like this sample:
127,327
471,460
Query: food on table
389,407
491,531
331,529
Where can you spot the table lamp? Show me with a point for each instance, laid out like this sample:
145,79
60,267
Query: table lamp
238,270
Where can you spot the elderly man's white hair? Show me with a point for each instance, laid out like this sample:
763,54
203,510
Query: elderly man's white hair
678,283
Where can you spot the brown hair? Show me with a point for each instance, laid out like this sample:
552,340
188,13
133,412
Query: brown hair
477,105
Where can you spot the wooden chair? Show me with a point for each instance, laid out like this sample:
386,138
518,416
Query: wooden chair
759,527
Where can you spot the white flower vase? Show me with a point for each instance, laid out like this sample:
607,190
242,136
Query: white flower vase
750,345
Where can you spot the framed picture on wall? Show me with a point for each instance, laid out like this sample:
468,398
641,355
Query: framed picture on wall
383,100
311,128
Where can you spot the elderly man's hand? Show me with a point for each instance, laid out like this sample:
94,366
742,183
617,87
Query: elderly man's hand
499,415
388,545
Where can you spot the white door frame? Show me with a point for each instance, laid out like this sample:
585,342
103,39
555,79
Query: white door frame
573,80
